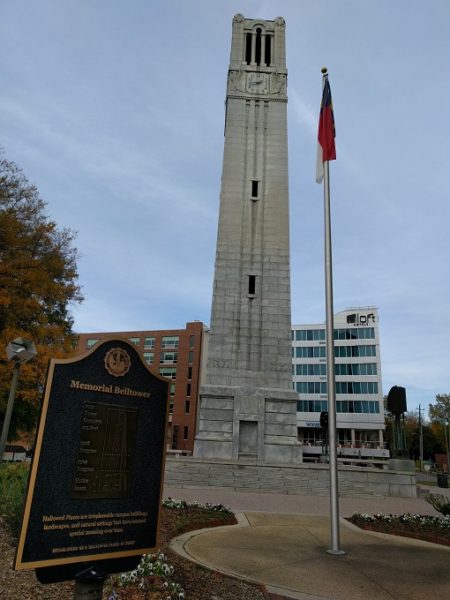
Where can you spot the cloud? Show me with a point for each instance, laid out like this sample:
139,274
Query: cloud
117,116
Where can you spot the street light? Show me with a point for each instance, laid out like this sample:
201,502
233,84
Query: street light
20,351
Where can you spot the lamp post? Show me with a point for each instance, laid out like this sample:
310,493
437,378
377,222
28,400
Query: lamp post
20,351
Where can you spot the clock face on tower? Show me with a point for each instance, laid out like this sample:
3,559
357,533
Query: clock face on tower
258,83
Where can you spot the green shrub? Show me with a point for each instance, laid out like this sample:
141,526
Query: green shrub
439,502
13,483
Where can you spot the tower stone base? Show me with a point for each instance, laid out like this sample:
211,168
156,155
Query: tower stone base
247,423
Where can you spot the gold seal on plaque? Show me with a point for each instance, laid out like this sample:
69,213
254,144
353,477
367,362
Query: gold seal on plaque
117,362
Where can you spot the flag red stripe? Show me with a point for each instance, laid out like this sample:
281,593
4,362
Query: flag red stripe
326,133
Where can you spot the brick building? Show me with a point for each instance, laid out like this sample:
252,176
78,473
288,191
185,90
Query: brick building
175,354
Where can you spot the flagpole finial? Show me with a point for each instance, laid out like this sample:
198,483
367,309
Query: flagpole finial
324,70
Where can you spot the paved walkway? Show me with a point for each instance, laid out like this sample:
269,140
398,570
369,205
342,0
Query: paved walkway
282,540
299,504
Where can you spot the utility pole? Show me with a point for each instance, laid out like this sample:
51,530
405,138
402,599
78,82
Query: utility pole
9,408
420,439
18,351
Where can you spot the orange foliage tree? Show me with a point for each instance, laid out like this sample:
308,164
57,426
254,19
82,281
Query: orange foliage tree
440,413
38,283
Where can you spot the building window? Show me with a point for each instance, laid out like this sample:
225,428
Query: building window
186,432
311,387
91,343
251,285
248,48
356,369
354,351
319,387
339,352
342,387
258,47
188,389
310,352
356,387
358,406
148,357
171,406
135,340
187,406
311,370
311,436
312,406
191,341
255,188
168,357
169,372
309,335
191,357
172,389
356,333
170,341
149,342
189,374
175,436
268,54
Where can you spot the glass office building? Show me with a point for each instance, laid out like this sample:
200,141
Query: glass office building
359,395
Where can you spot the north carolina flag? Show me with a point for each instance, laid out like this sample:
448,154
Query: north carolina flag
326,149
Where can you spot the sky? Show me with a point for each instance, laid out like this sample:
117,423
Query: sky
115,111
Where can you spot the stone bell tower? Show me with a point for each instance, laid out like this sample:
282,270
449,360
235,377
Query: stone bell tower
247,407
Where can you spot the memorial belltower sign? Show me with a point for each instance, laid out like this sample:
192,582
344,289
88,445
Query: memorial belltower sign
247,405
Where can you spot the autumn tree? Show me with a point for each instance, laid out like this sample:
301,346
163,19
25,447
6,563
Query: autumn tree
38,283
440,413
431,442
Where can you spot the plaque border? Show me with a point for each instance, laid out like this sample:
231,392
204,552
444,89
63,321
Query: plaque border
19,564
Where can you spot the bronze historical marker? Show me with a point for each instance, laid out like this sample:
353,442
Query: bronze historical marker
96,478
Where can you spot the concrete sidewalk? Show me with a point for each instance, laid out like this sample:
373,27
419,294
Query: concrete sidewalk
284,547
302,504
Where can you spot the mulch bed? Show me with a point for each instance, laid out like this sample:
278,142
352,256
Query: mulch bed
416,532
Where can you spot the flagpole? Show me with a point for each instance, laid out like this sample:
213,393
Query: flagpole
331,377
